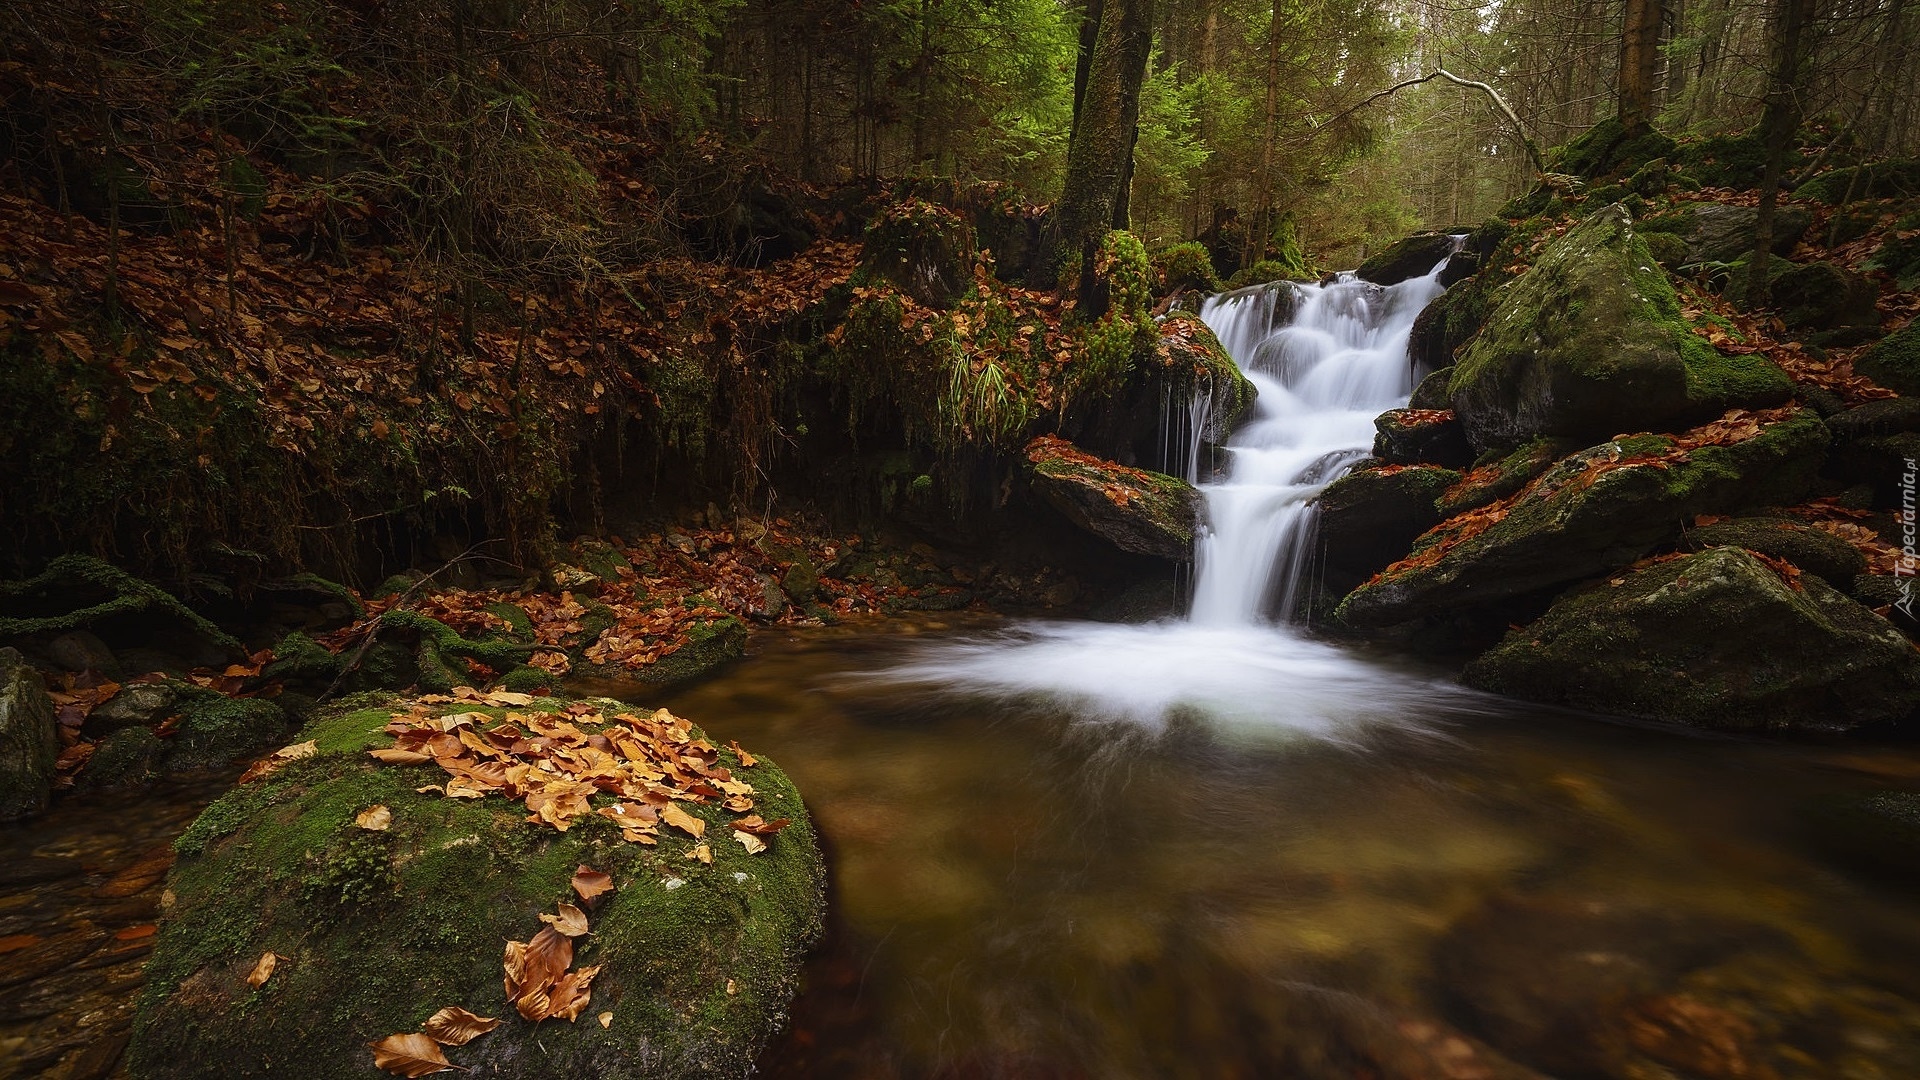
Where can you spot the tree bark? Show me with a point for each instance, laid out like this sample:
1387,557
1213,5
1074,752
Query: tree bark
1790,23
1100,155
1639,61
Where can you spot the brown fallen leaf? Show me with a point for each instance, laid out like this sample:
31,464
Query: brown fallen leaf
455,1026
410,1055
752,824
702,852
534,969
263,970
573,993
571,921
747,761
752,843
591,884
508,697
606,1019
685,822
375,818
275,761
394,756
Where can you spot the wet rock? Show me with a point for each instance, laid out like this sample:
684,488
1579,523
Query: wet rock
1812,549
1411,257
710,646
1894,361
135,705
1590,342
78,650
1371,516
1138,511
1461,265
127,760
1550,980
1421,437
1597,510
29,739
1432,391
1716,640
1717,232
1494,481
1141,602
1888,416
381,929
767,601
1186,365
1878,832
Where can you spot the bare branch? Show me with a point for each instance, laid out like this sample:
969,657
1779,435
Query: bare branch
1499,104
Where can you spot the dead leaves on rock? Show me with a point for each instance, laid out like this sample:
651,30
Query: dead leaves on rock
455,1026
590,884
374,818
410,1055
278,760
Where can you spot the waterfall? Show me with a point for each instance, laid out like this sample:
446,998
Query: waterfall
1323,375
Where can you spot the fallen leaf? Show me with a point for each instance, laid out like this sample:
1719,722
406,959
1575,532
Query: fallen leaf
394,756
752,843
571,921
752,823
591,884
374,818
263,970
685,822
409,1055
508,697
273,762
455,1026
606,1019
702,852
747,761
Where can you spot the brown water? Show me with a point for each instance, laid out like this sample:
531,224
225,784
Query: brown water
1021,893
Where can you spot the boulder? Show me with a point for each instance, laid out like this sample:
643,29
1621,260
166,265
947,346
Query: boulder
1610,148
135,705
1596,510
78,650
1421,437
1370,517
1497,480
127,760
710,645
1146,513
1894,361
378,927
1590,341
1432,391
29,739
1448,322
1887,416
1898,178
1412,257
1822,296
1717,232
1808,547
1716,640
217,730
1186,364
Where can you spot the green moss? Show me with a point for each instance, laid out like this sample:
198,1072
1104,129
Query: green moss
1186,266
382,929
76,592
528,680
447,643
1899,178
1729,161
1894,361
215,729
1607,148
519,623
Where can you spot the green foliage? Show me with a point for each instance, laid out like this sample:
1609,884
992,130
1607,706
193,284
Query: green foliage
1168,152
1126,331
1185,266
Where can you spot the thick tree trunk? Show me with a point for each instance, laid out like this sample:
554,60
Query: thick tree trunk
1791,22
1100,156
1639,61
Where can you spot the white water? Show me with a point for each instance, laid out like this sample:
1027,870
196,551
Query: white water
1323,376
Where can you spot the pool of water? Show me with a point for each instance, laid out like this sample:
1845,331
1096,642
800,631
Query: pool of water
1030,883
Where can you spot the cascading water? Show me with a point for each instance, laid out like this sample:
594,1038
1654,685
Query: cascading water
1326,359
1323,376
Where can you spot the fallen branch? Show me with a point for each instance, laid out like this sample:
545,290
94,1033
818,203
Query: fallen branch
1499,104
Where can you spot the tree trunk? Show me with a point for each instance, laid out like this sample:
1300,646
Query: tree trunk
1100,155
1790,23
1639,61
1262,227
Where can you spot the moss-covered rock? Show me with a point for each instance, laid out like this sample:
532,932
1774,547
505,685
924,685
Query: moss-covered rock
1127,420
711,644
1894,361
1186,266
80,591
1899,178
1590,342
1432,391
1370,517
1608,148
1716,640
1729,161
924,250
1410,257
127,760
1420,437
1723,233
1495,480
1822,296
29,742
217,730
1143,512
1812,549
381,929
1596,510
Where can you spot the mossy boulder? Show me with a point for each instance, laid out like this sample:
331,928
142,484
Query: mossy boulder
1899,178
127,760
1143,512
1448,322
29,741
1812,549
1596,510
1822,296
1609,148
1718,640
1431,393
1186,266
1495,480
922,249
711,644
1370,517
1894,361
1590,342
1420,437
378,930
217,730
1411,257
1724,233
1126,421
1195,367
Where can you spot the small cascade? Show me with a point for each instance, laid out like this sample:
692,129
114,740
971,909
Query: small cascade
1323,373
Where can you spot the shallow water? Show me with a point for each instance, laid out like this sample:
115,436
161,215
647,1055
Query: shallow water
1309,874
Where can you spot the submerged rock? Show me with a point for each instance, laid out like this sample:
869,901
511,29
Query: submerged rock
1719,640
1590,342
1592,512
379,928
1146,513
29,741
1411,257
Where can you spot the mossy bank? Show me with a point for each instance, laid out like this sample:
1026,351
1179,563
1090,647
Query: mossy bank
379,929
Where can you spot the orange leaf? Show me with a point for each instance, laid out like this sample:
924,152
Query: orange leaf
685,822
409,1055
263,970
590,884
571,921
455,1026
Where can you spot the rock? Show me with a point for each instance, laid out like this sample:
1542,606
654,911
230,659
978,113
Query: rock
1490,483
1142,602
1186,365
1142,512
29,739
922,249
1877,832
1550,979
1822,296
217,730
710,646
1590,342
1716,640
78,650
1898,178
1671,252
801,581
1432,391
767,601
1887,416
1420,437
1412,257
1370,517
1609,148
1592,512
135,705
127,760
1448,322
1894,361
1461,265
1812,549
379,930
1723,233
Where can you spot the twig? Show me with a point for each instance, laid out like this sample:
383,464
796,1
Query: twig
1499,103
399,603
